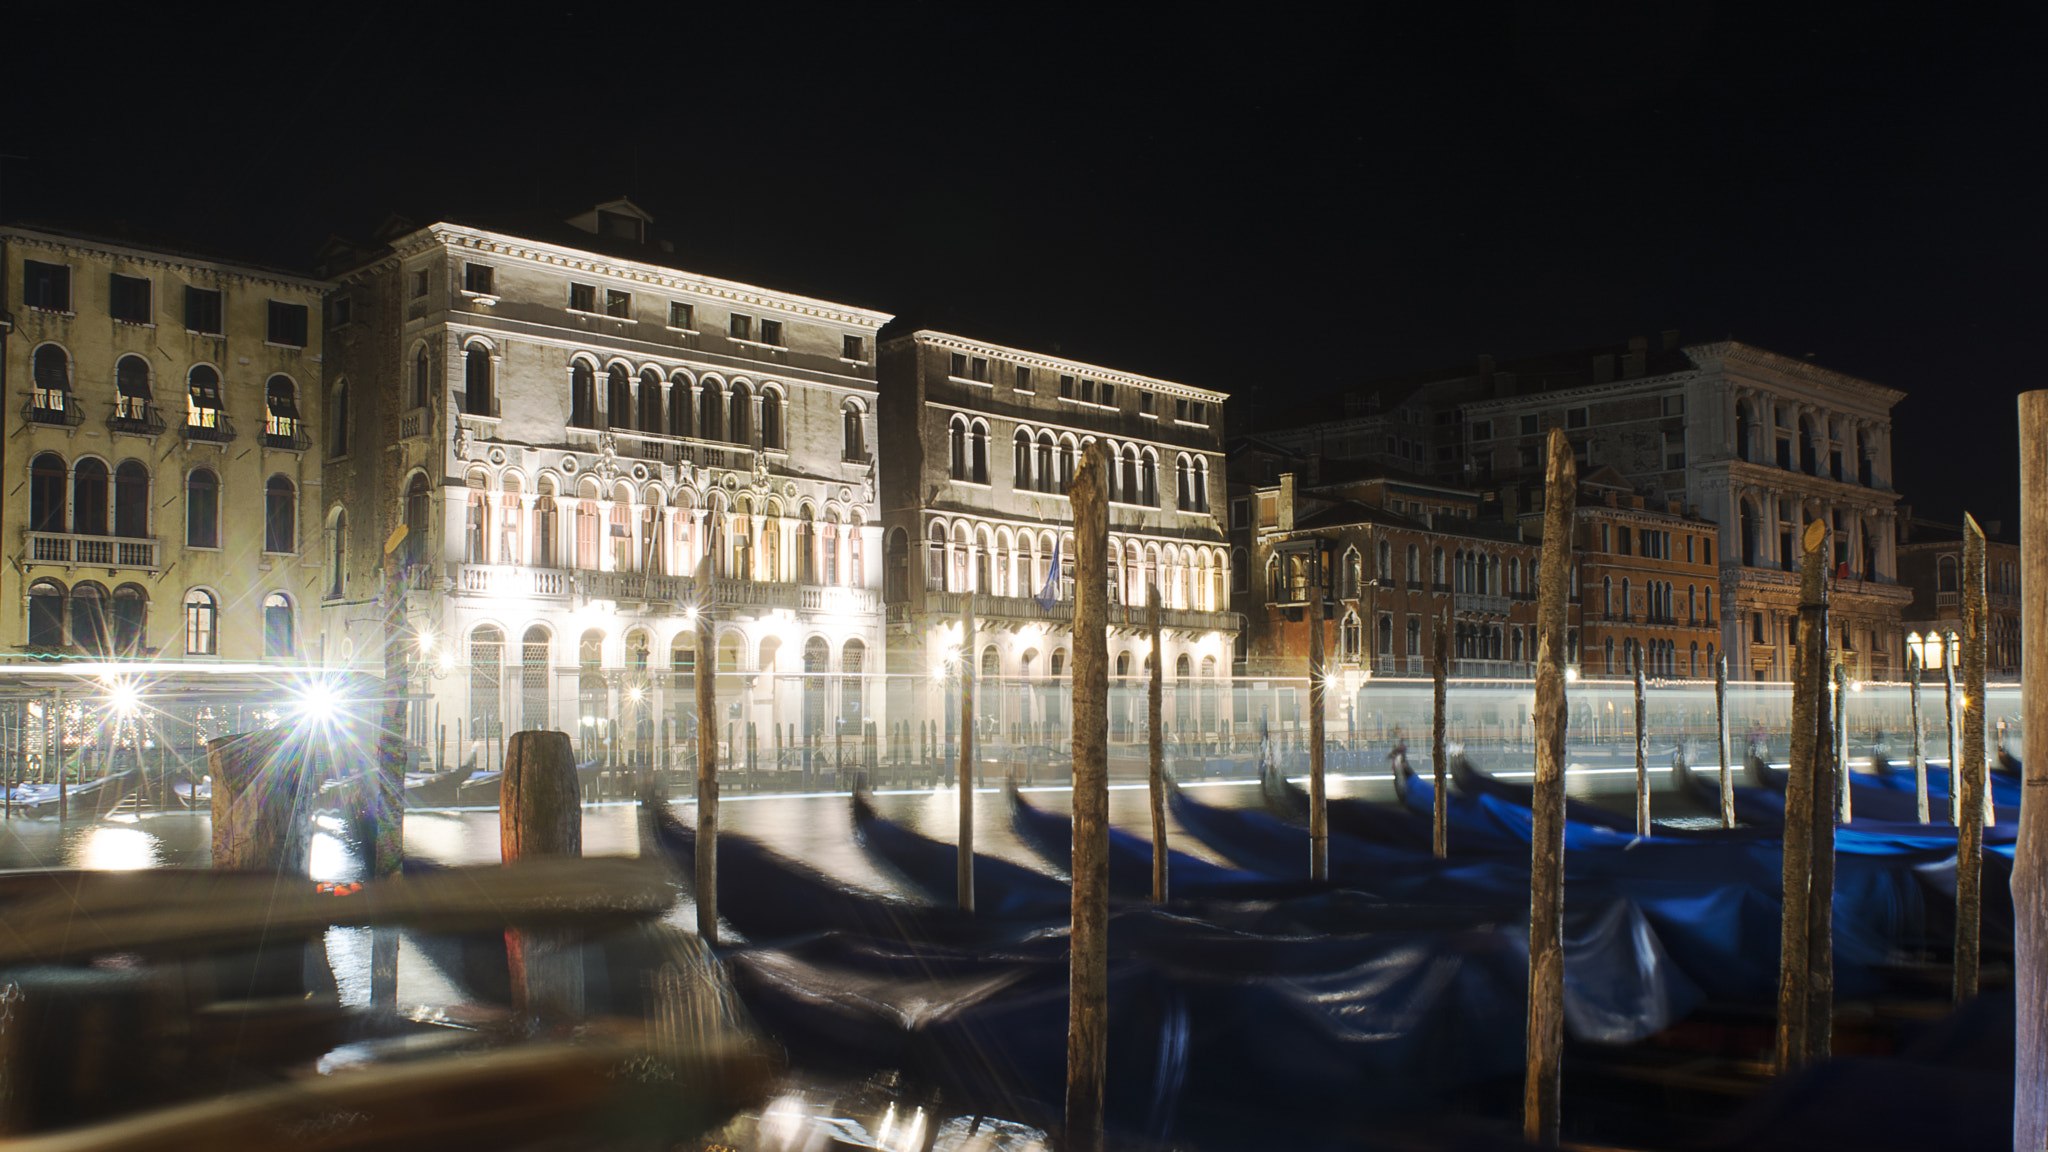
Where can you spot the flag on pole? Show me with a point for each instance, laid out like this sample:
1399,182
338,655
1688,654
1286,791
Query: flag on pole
1051,592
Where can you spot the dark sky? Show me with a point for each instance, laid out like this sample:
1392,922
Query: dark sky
1252,198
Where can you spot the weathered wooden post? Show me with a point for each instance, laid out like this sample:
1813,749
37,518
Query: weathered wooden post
540,814
1318,796
1088,965
63,785
1154,690
2030,864
1966,774
1804,808
1843,775
1545,1039
382,794
262,810
1919,733
1948,697
707,762
964,887
1721,723
1440,647
1642,757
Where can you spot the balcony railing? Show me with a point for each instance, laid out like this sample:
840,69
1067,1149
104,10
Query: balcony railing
512,580
133,552
1062,611
136,418
218,430
672,449
287,439
59,409
1482,604
413,423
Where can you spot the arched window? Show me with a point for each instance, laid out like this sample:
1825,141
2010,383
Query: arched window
853,436
89,618
1945,570
46,614
852,660
132,397
736,427
202,623
1020,453
131,617
89,498
817,666
416,513
709,401
582,395
831,543
338,418
477,399
533,679
1149,480
1183,488
279,640
422,378
1238,576
1043,470
771,419
202,509
280,516
679,405
956,448
281,424
546,518
337,553
1129,489
1386,631
486,678
650,400
977,436
46,482
618,403
203,416
131,499
1351,637
51,369
1201,485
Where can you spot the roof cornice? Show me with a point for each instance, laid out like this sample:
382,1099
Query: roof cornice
541,252
1718,357
81,246
1054,364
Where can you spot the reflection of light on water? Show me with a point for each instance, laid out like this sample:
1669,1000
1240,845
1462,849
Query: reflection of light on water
113,848
451,839
328,859
348,953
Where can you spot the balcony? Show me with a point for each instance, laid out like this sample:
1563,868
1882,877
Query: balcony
136,418
137,553
413,423
1062,612
286,437
1473,602
512,580
55,409
214,427
670,449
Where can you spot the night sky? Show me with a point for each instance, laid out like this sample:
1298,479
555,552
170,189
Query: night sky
1252,198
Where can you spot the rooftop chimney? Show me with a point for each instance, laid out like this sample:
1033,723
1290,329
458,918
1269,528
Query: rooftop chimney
1286,502
1670,339
1603,368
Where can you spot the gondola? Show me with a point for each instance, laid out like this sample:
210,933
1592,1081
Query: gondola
1130,861
932,868
88,800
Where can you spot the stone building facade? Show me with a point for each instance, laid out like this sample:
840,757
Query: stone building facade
979,442
1931,566
1647,585
569,425
165,480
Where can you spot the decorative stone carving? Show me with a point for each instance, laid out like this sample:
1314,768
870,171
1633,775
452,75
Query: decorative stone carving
461,440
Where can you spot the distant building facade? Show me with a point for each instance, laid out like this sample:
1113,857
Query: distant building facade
1931,566
979,442
567,425
1647,584
165,482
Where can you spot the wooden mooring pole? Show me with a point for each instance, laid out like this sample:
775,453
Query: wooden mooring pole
1948,703
964,882
1844,794
1155,690
540,813
707,765
1088,951
1967,773
2030,864
1642,757
1721,723
1545,1037
262,804
1318,794
1804,809
1919,734
1439,757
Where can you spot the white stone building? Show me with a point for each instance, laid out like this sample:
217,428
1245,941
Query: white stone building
568,424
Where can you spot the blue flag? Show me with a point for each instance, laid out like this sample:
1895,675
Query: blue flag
1051,592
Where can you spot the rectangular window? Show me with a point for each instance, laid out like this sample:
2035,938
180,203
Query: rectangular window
287,324
1066,387
771,332
1023,379
582,297
128,299
1575,418
1674,451
1482,429
977,369
202,310
1108,394
1688,550
617,303
957,369
1145,404
1530,426
1707,550
420,281
1414,636
741,327
339,311
1756,628
681,315
1087,391
853,348
1528,456
477,278
1674,405
46,286
1240,513
1180,409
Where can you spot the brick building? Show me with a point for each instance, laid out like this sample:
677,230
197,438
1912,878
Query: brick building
1647,582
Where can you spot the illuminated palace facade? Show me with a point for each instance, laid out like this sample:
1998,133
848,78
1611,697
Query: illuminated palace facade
567,424
161,429
978,447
